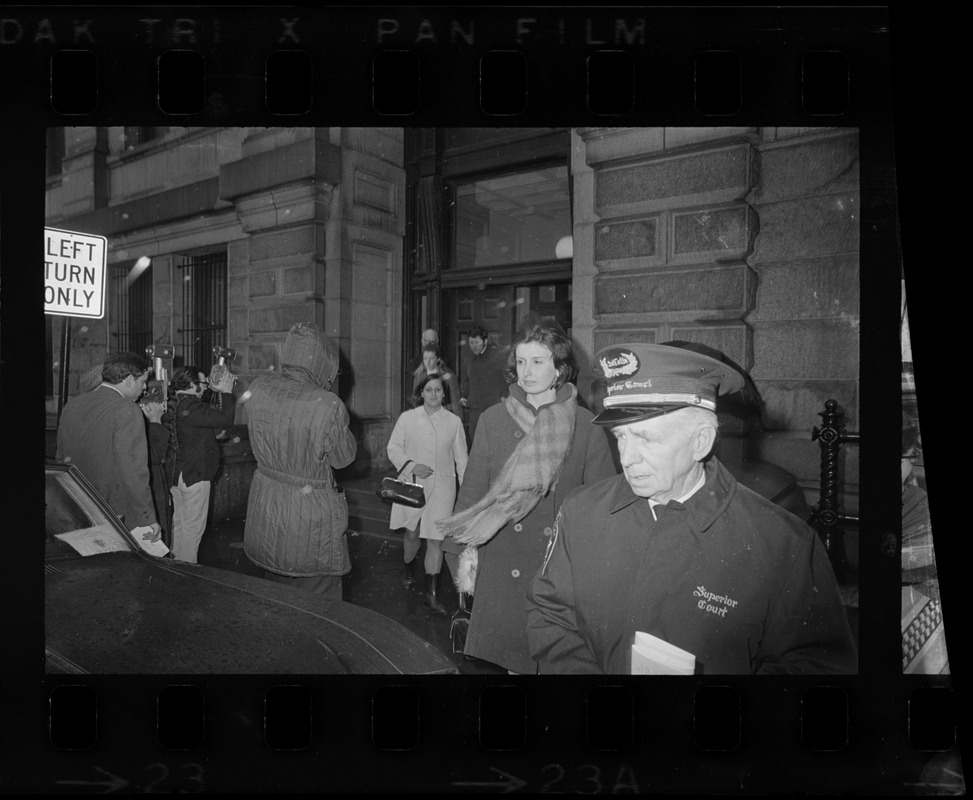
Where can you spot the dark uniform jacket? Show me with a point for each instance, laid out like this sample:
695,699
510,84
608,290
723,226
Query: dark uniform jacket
498,628
103,435
742,584
196,452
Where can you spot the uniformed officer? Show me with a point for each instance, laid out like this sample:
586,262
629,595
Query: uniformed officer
676,549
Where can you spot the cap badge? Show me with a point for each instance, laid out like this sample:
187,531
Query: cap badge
619,362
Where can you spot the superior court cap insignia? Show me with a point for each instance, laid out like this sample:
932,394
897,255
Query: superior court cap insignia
646,380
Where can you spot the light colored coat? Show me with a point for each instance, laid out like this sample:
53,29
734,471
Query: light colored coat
438,441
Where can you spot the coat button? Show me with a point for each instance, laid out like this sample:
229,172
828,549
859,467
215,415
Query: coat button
548,532
515,573
518,527
518,434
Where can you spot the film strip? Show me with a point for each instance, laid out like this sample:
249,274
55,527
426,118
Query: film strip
880,731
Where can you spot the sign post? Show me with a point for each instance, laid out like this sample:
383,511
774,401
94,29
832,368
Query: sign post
74,286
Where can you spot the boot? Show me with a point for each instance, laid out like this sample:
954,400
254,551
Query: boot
408,574
432,595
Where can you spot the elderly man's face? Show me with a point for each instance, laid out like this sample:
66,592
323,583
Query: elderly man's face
429,336
657,456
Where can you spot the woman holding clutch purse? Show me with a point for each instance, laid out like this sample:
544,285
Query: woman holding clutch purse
429,442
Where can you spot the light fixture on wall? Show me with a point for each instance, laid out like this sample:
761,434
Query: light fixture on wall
564,247
136,271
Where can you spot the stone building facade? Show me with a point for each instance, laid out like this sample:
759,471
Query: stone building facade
745,239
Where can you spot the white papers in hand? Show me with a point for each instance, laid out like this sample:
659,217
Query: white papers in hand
156,548
654,656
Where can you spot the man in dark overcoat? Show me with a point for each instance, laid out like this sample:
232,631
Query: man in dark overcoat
484,376
102,432
676,549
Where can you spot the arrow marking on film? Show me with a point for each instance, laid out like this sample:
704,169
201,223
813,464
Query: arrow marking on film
114,783
511,784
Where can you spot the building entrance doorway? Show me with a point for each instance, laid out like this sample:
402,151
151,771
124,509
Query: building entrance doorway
501,309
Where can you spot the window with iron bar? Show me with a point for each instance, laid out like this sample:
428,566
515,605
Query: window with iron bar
131,292
203,308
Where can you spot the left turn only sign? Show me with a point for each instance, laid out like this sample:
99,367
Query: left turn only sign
74,273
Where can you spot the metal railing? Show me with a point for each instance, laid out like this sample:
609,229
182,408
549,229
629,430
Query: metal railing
826,517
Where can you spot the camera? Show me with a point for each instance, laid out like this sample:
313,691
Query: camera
157,390
154,392
223,356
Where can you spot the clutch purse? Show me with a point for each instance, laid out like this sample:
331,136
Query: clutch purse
402,492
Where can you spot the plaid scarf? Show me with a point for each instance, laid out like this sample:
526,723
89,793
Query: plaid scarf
529,474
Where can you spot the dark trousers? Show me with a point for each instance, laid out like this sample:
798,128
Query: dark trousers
328,586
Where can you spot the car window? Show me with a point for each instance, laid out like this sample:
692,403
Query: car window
74,524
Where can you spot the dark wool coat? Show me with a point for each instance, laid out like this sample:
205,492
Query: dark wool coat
103,435
484,381
158,438
195,451
296,515
507,563
743,585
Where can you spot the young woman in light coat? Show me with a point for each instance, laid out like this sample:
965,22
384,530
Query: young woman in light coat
430,442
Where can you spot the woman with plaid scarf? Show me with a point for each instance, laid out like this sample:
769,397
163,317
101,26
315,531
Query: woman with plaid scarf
529,452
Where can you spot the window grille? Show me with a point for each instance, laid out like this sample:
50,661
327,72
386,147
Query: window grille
132,301
203,307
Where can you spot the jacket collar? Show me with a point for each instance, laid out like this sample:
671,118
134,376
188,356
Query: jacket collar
703,507
516,391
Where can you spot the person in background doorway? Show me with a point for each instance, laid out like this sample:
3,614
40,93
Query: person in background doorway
484,376
429,440
429,336
433,364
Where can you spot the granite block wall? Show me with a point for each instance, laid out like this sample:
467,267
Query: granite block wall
745,239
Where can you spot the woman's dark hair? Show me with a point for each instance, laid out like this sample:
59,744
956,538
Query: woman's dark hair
184,377
547,332
417,395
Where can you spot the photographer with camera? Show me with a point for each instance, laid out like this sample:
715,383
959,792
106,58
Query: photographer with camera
195,453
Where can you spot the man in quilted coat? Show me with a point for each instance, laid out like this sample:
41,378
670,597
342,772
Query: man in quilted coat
297,515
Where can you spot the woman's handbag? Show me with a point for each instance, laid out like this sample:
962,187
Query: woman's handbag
403,492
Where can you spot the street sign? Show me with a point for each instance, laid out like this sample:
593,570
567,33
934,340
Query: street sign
74,273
